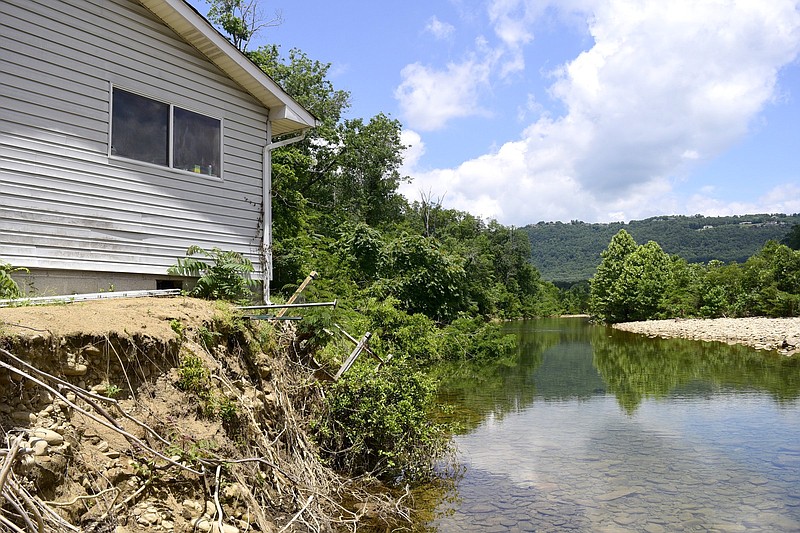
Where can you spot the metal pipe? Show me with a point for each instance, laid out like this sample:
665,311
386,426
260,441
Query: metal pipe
284,306
42,300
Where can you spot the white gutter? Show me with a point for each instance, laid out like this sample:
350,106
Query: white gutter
266,206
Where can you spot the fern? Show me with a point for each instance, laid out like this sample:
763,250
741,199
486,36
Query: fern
223,275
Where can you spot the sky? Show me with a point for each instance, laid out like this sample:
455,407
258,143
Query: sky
595,110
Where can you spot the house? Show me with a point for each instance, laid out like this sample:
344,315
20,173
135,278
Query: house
130,130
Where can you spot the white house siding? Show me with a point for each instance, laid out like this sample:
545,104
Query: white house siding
64,203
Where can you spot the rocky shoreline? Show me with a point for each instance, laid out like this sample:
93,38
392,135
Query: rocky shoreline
774,334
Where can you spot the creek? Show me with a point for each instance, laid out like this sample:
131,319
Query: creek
591,429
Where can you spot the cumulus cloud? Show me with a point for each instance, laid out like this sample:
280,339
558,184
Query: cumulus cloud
665,86
439,29
429,98
413,152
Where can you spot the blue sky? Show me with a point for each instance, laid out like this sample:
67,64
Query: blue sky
596,110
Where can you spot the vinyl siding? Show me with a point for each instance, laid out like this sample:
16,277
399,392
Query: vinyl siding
64,203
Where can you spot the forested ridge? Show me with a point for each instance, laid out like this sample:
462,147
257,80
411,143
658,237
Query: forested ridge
568,252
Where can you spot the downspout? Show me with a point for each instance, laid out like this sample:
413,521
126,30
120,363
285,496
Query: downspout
266,205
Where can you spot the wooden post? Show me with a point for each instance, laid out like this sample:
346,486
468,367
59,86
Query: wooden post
362,344
354,341
299,290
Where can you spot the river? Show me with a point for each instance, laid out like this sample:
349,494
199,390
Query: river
590,429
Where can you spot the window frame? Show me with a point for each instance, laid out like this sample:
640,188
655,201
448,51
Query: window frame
170,135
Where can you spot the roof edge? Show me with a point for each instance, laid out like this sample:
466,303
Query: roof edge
195,29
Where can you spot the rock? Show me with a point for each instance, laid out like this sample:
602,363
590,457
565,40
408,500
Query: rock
211,509
91,350
212,526
48,435
40,447
149,518
77,369
45,396
234,491
23,417
202,524
102,446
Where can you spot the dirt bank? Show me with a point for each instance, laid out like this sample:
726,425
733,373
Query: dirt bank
779,334
163,415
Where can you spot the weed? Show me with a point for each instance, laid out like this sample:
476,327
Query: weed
177,327
208,337
8,287
195,378
193,375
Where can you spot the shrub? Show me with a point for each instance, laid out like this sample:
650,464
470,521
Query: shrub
227,277
377,423
8,287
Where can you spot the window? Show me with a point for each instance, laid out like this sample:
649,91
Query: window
155,132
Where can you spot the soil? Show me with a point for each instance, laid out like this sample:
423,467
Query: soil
150,316
774,334
162,414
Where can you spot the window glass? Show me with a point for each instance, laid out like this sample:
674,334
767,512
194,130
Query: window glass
195,142
140,128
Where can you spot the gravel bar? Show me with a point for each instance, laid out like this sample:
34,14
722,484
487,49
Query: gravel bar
778,334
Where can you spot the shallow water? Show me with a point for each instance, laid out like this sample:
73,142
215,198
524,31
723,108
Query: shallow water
589,429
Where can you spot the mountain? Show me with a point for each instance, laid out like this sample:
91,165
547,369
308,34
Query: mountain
568,252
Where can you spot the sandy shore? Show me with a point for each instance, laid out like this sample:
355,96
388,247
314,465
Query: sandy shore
780,334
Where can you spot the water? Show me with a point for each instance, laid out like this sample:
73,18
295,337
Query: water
590,429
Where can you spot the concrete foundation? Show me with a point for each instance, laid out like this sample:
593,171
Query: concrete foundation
64,282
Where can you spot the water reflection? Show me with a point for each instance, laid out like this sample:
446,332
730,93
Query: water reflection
637,367
590,429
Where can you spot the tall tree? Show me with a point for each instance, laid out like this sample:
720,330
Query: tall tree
241,20
607,299
368,162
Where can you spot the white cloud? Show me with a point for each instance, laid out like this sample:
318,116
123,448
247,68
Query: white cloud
439,29
666,84
413,152
429,97
781,199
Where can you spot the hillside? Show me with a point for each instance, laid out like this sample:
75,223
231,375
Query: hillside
565,252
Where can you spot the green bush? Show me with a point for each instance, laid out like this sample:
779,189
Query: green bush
8,287
226,277
378,423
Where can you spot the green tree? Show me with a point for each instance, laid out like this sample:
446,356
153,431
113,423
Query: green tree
240,19
792,239
771,282
646,279
425,278
608,300
365,186
631,282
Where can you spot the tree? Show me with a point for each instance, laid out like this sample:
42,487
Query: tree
645,280
241,20
365,186
425,278
792,239
608,300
